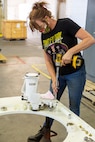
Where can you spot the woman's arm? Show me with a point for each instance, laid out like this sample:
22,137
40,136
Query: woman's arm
87,41
51,70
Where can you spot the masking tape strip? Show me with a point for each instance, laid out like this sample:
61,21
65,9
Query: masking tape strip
44,74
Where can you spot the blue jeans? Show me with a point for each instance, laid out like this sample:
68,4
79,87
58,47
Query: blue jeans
75,83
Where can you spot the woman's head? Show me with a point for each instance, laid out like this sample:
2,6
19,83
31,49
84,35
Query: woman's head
39,13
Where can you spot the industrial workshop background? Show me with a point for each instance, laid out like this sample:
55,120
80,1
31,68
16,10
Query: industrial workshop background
81,11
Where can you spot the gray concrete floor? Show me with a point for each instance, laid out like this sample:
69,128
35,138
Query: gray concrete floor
21,55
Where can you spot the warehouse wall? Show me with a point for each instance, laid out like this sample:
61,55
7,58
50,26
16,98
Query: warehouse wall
20,8
76,10
12,8
1,15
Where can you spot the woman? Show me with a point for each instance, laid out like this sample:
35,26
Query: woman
59,37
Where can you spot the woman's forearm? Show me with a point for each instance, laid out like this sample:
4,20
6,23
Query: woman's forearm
51,70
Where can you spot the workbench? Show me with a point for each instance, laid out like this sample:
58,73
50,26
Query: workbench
78,130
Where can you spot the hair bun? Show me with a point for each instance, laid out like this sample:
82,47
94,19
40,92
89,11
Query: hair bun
38,5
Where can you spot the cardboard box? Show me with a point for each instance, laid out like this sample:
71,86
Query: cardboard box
14,29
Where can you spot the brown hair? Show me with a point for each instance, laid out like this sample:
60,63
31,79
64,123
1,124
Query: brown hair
39,11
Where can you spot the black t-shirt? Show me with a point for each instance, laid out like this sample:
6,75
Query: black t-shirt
63,33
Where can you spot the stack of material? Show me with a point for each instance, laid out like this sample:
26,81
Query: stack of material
89,91
14,29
